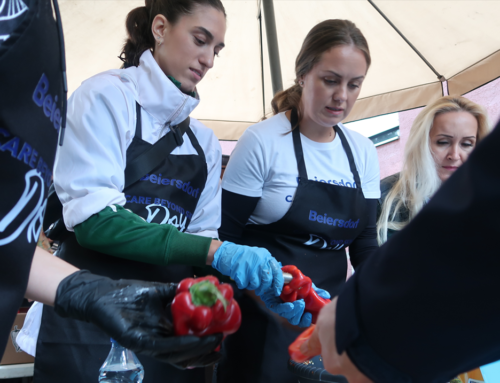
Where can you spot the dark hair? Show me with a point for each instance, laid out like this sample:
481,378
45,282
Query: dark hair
323,37
140,19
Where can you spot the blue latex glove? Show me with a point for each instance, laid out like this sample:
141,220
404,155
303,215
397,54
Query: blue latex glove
293,311
252,268
322,293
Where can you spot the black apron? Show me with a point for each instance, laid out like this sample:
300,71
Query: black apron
70,348
31,99
322,220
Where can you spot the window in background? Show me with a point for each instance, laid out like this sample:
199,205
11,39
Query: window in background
380,130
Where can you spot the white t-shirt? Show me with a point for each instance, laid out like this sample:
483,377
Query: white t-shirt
263,165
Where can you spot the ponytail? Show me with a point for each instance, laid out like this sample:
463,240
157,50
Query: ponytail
139,21
288,99
140,37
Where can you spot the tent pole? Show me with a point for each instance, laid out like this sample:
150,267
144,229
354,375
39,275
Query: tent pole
259,17
262,70
272,45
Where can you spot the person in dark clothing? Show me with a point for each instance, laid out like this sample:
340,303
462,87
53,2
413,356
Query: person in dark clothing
392,321
442,137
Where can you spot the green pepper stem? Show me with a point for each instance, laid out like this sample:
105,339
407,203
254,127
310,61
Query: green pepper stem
205,293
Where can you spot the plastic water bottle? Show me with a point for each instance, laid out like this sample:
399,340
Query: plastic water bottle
121,366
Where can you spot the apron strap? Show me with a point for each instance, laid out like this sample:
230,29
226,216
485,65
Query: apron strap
196,144
155,154
299,153
138,124
350,157
297,146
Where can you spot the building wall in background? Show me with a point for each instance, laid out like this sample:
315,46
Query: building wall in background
489,97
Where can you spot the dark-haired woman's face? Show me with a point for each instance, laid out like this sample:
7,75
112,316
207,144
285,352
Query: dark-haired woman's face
333,85
190,45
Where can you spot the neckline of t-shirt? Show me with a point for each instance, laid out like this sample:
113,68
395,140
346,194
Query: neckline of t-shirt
314,144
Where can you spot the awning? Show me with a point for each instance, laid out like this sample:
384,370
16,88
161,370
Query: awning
458,40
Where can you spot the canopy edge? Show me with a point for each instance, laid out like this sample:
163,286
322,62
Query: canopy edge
476,75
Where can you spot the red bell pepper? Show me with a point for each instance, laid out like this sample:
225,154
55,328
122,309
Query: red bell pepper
202,306
294,349
300,287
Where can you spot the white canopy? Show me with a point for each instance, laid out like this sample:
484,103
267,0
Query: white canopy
459,39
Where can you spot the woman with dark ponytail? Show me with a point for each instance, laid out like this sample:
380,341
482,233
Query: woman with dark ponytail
305,187
139,184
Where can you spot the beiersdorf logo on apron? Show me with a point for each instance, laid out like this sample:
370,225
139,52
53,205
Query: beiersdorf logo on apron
44,99
184,186
323,218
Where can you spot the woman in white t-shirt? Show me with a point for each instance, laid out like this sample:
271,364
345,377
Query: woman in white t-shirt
305,187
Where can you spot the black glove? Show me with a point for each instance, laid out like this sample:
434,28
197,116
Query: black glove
134,314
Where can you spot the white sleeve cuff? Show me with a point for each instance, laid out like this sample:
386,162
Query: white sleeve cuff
205,233
28,336
80,209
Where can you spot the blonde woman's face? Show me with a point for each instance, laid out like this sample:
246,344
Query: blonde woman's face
332,86
188,48
453,137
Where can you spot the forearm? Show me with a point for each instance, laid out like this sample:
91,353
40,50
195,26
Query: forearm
322,341
118,232
47,271
236,209
214,246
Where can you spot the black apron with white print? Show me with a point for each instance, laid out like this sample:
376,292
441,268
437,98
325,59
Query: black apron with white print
31,100
321,222
169,194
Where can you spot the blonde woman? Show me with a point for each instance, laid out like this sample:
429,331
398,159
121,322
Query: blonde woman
441,139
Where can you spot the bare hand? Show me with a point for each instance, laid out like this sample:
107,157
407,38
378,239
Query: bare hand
325,332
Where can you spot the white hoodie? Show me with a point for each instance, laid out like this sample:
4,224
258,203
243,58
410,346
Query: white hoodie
101,121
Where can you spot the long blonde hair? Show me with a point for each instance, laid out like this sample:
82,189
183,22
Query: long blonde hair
419,179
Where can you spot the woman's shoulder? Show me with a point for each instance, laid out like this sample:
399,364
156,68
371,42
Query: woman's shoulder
357,138
200,130
266,136
111,84
387,184
205,136
272,126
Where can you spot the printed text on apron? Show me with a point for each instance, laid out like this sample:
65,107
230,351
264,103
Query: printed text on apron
73,348
321,222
